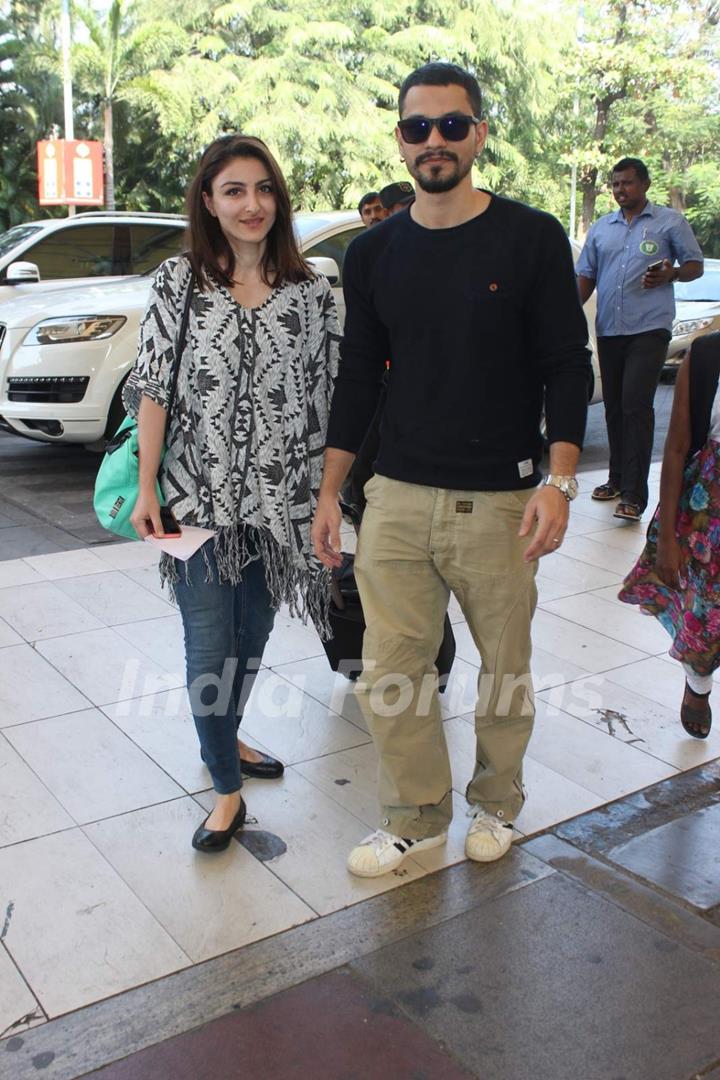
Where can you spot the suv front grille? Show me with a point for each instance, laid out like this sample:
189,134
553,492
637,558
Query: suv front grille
65,389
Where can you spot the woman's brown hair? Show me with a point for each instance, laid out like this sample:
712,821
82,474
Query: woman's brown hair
209,252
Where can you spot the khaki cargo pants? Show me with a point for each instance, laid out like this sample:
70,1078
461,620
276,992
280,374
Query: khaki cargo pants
417,545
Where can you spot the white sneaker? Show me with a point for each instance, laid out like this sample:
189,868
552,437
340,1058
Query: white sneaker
382,852
488,837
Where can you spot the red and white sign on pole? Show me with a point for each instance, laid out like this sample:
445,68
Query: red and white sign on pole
70,172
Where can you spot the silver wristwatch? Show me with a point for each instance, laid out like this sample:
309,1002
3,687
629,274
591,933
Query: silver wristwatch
567,484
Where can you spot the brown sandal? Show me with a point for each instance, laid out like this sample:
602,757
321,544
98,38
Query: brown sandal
628,511
697,722
605,492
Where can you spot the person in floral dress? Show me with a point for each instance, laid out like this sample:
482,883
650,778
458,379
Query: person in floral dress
677,577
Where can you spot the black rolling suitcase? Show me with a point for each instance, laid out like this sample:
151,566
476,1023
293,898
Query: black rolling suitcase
344,649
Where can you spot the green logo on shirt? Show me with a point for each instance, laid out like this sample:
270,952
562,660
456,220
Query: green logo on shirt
648,247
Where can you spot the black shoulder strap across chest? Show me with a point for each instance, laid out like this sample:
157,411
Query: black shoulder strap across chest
704,376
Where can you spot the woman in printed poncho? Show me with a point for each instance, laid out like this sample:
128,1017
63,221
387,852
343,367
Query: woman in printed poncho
244,444
677,577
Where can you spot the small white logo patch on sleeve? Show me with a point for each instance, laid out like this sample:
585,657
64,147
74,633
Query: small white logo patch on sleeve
525,468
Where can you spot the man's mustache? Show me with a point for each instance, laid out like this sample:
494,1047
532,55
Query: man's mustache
429,154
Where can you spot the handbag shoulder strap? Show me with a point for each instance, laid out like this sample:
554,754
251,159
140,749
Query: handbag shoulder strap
179,347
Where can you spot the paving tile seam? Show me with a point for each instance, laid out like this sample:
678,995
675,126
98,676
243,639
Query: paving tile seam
129,886
30,767
98,709
145,754
91,704
331,753
331,712
41,836
77,633
276,670
612,605
601,633
55,716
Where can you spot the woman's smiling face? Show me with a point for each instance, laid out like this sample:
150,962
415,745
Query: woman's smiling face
243,201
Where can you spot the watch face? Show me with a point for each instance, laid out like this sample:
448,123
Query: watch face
567,484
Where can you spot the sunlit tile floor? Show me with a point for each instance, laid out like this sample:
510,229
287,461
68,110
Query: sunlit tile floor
101,785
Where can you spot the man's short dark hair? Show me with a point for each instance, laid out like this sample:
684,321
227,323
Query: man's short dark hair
369,197
439,73
641,169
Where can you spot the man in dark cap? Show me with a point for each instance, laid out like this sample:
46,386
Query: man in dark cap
397,196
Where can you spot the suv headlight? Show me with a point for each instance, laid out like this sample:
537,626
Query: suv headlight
81,328
690,326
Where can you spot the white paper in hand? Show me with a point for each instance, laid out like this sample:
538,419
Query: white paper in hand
183,546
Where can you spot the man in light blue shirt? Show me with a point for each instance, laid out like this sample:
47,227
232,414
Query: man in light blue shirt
630,255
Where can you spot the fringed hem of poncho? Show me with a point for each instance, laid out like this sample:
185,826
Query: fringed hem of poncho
305,591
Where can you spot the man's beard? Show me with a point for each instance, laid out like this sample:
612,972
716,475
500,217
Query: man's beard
438,182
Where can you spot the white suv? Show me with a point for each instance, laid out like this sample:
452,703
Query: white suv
65,355
97,246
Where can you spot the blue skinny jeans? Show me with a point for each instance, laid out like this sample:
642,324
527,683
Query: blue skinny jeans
226,630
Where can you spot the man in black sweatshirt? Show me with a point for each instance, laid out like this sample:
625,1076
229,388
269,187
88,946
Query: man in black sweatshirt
473,298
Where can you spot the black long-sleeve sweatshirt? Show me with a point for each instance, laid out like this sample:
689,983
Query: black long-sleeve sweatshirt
480,323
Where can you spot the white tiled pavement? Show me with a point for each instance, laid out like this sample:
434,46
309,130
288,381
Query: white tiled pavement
101,785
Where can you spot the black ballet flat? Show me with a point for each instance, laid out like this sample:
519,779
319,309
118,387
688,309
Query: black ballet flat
267,769
218,839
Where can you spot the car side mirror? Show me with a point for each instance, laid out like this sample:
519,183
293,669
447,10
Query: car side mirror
326,266
19,273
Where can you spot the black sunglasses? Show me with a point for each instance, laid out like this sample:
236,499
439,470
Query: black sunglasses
453,128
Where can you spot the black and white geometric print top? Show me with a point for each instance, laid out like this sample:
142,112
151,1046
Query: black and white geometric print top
247,431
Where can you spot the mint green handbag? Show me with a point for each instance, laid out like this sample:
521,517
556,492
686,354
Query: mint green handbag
117,483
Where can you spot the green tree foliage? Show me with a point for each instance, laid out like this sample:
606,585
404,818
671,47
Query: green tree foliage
319,83
642,81
120,48
30,102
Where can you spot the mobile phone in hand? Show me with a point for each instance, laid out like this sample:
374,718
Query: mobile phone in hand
655,266
169,522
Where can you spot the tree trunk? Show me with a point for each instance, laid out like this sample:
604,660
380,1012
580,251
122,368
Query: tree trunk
602,117
589,182
677,199
109,163
676,194
588,186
